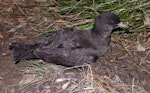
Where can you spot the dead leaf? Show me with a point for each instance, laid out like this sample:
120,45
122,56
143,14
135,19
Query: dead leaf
146,19
48,91
9,9
140,47
1,78
21,20
1,37
28,92
21,25
27,79
22,37
40,0
64,86
61,80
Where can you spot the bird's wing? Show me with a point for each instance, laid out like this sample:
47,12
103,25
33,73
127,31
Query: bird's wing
82,42
69,49
68,38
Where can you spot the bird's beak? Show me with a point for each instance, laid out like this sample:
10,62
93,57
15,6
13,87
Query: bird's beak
124,26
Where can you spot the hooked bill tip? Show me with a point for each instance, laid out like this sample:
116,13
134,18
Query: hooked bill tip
124,26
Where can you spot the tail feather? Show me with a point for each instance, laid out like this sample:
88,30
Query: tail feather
23,51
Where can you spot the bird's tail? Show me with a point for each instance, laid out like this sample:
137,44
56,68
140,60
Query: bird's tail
23,51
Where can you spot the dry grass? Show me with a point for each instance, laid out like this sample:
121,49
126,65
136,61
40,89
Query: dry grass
86,82
52,15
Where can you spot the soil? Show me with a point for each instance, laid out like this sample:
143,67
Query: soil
125,59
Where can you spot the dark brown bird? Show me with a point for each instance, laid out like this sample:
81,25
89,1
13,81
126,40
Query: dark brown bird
71,47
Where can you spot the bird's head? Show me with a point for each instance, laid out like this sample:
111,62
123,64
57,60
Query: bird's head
107,22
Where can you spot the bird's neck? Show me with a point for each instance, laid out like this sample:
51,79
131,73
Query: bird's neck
103,34
102,39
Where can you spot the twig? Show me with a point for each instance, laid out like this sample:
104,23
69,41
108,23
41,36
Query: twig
130,54
85,65
17,27
82,22
147,55
20,9
133,85
72,8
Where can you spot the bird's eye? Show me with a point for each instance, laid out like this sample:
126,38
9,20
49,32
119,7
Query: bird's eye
60,46
112,22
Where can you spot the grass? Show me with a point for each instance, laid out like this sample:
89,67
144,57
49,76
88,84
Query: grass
39,69
132,12
81,14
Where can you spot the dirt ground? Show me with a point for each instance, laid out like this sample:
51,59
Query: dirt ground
125,68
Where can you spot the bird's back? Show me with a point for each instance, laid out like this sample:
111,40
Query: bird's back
68,47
